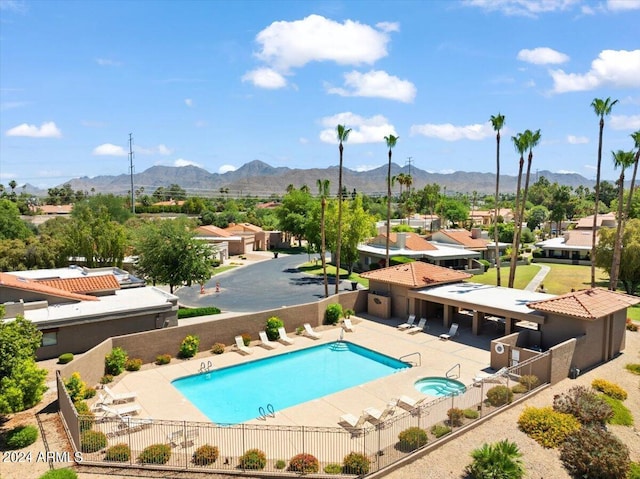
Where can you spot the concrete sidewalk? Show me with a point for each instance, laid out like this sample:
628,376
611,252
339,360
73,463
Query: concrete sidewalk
537,280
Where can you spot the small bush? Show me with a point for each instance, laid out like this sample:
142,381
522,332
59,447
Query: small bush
439,430
21,436
271,328
455,416
633,368
86,416
193,312
246,339
634,471
65,473
280,464
133,364
412,438
609,388
584,404
499,395
217,348
356,463
304,463
530,381
92,441
189,346
547,427
89,393
595,453
118,453
630,325
163,359
333,468
471,414
65,358
114,361
155,454
106,379
253,459
496,461
205,455
348,313
75,387
333,313
621,414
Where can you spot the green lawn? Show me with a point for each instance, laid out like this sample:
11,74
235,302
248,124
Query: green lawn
313,268
634,313
222,269
563,277
524,275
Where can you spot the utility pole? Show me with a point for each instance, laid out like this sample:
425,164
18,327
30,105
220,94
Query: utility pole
133,197
409,161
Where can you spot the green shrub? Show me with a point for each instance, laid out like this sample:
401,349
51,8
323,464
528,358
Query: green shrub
471,414
609,388
621,414
75,387
348,313
634,470
455,416
155,454
106,379
439,430
634,368
594,452
253,459
333,468
92,441
529,381
118,453
280,464
205,455
486,264
163,359
189,346
547,427
584,404
501,460
89,393
217,348
133,364
499,395
412,438
304,463
246,339
193,312
271,328
333,313
114,361
65,358
65,473
356,463
21,436
86,417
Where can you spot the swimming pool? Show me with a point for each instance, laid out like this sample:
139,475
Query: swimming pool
235,394
440,386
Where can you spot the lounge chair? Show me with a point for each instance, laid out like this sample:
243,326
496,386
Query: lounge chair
422,324
353,423
409,404
119,397
128,424
348,326
375,416
490,378
453,331
183,437
409,323
284,339
308,331
119,411
241,347
266,342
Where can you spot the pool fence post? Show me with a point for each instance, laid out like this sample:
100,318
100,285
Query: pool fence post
243,443
481,397
184,444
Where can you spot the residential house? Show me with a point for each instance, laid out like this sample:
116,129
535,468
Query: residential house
485,217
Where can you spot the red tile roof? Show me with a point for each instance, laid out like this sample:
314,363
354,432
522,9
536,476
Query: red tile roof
84,285
24,284
586,304
417,274
414,242
211,230
463,237
243,228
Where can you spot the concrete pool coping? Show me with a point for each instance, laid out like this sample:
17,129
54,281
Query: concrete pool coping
160,400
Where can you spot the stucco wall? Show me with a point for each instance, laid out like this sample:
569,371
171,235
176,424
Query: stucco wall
90,365
561,358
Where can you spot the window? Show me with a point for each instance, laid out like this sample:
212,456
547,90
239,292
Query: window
50,338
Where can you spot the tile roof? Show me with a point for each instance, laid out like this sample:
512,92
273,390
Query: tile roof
414,242
84,285
243,227
23,284
211,230
463,237
578,238
587,221
417,274
586,304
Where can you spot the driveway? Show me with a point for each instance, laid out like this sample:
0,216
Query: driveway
263,285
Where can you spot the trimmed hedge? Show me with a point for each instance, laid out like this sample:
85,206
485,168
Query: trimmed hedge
412,438
253,459
155,454
118,453
65,358
356,463
193,312
65,473
21,436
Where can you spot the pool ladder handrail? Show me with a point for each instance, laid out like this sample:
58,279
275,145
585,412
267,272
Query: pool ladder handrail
205,368
401,358
270,412
451,376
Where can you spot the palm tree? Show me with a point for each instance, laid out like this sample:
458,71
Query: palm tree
497,121
520,143
391,142
343,136
601,108
622,159
636,141
323,189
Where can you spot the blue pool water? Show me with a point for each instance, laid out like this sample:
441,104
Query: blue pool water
439,386
235,394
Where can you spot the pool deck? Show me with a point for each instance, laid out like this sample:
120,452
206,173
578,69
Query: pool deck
160,400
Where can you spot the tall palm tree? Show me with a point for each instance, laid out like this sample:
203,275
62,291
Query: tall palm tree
601,108
391,143
343,135
636,141
323,189
622,159
497,121
520,143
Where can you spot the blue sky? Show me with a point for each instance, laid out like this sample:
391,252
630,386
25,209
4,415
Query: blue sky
221,83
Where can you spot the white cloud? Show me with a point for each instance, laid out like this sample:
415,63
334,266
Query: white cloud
155,150
529,8
542,56
447,171
109,149
577,140
376,84
566,172
226,168
188,102
623,5
363,130
449,132
617,68
366,167
46,130
16,6
200,124
303,141
624,122
182,162
7,176
10,105
388,26
265,78
106,62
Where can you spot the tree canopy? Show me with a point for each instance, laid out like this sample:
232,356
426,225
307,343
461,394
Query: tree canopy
630,261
